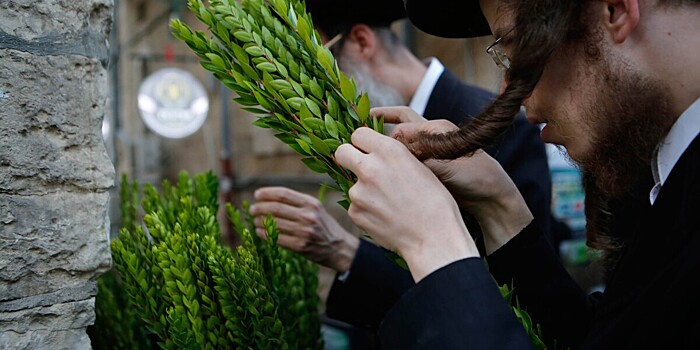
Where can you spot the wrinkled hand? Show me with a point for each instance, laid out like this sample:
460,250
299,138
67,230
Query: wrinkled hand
305,227
402,204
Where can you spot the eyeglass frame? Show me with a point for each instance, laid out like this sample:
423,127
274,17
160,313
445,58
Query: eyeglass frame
497,54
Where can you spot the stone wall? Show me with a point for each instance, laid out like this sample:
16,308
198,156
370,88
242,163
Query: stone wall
54,170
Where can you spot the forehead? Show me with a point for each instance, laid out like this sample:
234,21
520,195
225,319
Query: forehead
499,15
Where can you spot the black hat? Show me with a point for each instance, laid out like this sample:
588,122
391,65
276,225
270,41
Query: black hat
448,18
335,16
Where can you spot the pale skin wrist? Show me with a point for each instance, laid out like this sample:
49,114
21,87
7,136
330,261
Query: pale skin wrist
503,219
427,257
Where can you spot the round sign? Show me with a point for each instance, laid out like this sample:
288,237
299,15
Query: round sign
173,103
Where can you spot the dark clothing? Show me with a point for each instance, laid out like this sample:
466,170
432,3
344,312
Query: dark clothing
375,283
650,301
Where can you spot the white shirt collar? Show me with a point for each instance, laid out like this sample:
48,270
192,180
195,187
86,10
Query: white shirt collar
682,134
419,101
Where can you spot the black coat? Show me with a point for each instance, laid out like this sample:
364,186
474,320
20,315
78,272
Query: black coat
651,300
375,283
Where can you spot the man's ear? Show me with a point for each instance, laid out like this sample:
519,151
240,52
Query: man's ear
621,18
366,42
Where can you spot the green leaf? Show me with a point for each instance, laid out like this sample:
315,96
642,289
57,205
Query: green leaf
299,90
303,28
333,107
316,89
280,84
296,102
333,144
347,88
266,67
331,126
305,146
288,93
262,101
363,108
243,36
319,146
315,124
304,112
255,51
255,111
325,58
313,107
315,165
238,52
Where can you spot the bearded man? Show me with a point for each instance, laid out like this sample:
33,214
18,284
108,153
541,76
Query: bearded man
616,83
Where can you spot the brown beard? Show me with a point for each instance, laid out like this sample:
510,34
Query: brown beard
630,116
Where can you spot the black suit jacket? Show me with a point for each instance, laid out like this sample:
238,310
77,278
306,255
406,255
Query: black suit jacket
375,283
651,300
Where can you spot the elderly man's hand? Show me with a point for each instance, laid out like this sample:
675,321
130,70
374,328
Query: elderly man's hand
305,227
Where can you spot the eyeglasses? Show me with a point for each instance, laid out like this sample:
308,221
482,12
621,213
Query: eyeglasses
496,52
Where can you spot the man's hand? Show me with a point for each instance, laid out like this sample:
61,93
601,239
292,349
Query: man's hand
402,205
478,183
305,227
481,186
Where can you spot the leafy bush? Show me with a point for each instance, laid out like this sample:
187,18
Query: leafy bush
194,293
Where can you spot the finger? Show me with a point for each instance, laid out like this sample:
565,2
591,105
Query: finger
283,227
349,156
396,115
276,209
410,132
407,132
284,195
368,140
292,243
292,228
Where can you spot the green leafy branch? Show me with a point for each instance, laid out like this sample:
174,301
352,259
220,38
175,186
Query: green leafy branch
270,55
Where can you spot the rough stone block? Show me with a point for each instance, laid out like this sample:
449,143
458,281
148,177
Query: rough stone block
54,241
50,125
59,326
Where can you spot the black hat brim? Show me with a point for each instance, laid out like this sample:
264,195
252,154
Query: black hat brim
448,18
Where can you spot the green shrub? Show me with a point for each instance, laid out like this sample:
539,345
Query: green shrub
191,292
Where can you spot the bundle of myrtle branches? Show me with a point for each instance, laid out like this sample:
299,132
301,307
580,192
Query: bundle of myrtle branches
268,52
194,293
